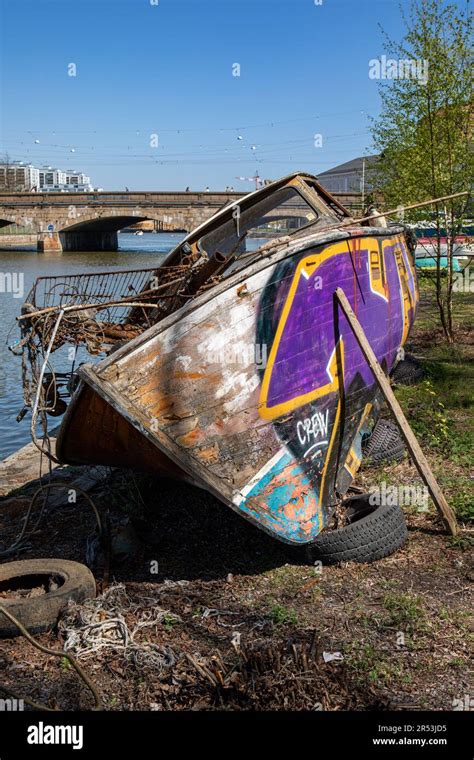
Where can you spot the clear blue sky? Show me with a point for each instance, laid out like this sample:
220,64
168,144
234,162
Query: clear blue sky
166,69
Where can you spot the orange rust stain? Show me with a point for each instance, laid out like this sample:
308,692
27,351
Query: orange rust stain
295,503
297,498
210,455
187,375
159,404
190,439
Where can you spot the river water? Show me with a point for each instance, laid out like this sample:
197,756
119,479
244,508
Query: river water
135,252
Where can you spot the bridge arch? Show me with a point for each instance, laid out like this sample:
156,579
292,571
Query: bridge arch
5,221
115,222
16,231
91,232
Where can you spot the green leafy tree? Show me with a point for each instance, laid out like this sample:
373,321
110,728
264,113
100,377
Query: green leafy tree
425,130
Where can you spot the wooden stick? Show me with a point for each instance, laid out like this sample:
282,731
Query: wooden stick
413,446
404,208
85,306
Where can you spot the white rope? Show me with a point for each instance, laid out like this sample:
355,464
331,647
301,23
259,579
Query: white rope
34,414
99,625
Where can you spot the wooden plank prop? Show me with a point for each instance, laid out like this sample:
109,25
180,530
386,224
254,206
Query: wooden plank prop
413,446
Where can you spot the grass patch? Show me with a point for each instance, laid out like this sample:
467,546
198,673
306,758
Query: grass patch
405,610
281,615
169,622
377,665
440,408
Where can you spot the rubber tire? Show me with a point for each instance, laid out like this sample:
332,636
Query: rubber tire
373,536
408,371
384,444
40,613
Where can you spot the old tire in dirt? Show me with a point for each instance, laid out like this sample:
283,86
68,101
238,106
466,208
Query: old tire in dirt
373,532
408,371
384,444
35,591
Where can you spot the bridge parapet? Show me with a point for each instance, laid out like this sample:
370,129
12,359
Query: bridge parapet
118,198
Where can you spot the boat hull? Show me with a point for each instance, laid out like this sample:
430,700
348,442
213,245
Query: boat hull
257,390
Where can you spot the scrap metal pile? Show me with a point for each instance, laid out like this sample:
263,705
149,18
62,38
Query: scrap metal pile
96,313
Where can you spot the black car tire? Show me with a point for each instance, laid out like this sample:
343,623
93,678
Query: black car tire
61,579
373,532
384,444
408,371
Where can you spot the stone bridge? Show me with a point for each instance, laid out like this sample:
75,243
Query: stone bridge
91,221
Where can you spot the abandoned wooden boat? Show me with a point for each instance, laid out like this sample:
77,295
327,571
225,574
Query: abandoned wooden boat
231,366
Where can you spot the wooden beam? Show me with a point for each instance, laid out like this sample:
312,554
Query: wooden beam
413,446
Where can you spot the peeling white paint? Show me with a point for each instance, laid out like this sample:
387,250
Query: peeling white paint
184,362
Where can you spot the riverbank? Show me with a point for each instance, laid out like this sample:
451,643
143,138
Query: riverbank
244,622
18,242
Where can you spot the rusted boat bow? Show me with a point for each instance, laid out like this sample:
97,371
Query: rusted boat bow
232,366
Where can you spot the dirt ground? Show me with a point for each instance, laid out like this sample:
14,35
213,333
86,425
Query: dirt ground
236,620
247,620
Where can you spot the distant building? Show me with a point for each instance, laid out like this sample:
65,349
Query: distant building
51,179
69,181
349,177
78,181
17,176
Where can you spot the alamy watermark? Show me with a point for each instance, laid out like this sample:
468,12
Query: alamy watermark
386,495
463,282
399,68
466,702
12,705
245,354
42,733
12,282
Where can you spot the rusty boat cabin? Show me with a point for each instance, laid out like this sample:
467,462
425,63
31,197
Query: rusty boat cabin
231,365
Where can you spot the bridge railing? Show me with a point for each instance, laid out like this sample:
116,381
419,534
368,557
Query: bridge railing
138,198
164,198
